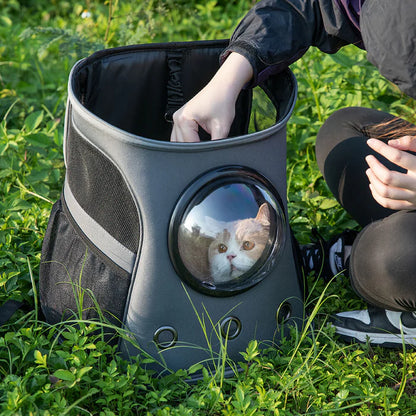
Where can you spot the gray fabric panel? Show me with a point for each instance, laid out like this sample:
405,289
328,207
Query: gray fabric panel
119,254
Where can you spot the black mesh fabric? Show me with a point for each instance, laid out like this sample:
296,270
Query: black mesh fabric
101,191
71,269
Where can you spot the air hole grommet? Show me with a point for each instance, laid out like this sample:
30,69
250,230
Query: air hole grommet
230,327
165,337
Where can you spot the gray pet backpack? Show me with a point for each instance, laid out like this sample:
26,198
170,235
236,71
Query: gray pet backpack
186,246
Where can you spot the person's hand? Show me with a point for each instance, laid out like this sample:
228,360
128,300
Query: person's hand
213,108
390,188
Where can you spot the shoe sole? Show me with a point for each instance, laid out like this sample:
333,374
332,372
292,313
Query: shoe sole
380,339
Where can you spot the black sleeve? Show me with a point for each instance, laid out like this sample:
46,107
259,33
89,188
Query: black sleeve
276,33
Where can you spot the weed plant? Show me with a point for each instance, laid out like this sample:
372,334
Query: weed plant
70,368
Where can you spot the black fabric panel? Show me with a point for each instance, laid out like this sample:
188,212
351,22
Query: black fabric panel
69,267
129,87
101,191
129,92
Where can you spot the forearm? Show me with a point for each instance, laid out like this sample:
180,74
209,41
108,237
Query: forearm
232,76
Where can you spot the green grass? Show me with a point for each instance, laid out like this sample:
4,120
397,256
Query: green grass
68,369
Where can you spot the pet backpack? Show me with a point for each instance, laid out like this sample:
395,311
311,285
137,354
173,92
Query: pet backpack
144,226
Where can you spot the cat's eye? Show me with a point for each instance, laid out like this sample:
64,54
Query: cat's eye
248,245
222,248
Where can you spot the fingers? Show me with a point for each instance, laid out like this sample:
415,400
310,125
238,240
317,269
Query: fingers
389,177
187,131
394,204
387,195
184,129
404,143
213,108
397,156
219,130
392,189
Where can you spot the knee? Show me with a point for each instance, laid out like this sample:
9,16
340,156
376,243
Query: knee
338,127
344,124
383,262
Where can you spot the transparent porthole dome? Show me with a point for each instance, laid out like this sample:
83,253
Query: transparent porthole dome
227,231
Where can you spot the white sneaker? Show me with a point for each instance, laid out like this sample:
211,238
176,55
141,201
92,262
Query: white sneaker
379,326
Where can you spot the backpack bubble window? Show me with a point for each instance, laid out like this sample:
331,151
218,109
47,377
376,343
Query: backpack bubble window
227,231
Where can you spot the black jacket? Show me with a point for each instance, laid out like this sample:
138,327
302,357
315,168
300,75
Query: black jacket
275,33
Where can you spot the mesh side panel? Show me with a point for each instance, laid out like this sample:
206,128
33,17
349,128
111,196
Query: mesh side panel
70,267
101,191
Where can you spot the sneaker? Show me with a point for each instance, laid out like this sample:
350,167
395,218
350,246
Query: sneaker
378,326
327,258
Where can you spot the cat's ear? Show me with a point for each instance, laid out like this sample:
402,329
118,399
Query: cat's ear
263,214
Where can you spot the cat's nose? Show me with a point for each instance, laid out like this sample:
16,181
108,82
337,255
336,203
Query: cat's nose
230,256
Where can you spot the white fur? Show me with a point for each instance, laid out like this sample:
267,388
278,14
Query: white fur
224,269
235,260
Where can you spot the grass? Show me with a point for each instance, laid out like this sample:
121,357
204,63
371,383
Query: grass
68,369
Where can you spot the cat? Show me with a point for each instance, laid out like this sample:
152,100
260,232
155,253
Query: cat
236,248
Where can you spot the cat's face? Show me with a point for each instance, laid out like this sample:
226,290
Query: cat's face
237,248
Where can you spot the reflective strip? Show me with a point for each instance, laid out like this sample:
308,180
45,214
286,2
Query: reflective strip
104,241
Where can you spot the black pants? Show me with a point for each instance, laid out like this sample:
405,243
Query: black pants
383,260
